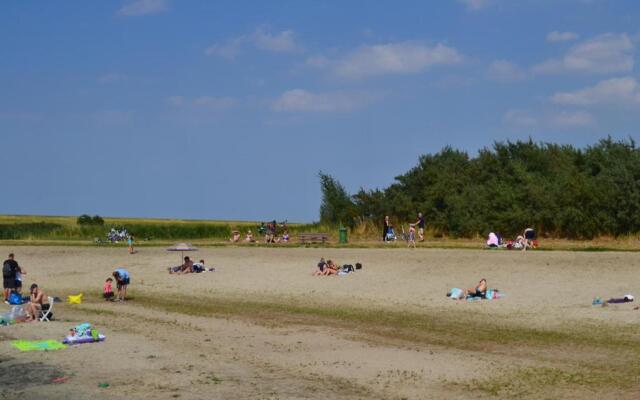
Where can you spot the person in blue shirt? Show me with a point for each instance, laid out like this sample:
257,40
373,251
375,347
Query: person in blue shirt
123,279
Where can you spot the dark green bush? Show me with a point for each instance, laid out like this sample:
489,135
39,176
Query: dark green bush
86,219
560,190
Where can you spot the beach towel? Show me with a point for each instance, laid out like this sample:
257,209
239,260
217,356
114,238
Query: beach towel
35,345
491,294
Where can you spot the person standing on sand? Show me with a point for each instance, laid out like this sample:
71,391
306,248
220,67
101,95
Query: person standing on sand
19,272
130,241
10,268
420,224
412,236
385,229
123,279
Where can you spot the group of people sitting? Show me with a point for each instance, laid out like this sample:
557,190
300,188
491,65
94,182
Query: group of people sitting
325,268
269,237
189,267
522,242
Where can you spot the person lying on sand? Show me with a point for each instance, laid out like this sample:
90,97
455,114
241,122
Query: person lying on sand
201,267
38,301
320,268
330,269
479,291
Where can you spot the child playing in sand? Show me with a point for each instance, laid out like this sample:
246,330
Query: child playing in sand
107,289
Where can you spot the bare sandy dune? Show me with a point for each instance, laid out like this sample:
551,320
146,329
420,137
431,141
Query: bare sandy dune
262,327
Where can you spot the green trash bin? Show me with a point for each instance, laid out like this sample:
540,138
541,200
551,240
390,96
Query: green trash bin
343,235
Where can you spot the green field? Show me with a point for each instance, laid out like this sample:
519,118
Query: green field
63,230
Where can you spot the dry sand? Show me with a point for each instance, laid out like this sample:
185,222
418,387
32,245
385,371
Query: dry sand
278,345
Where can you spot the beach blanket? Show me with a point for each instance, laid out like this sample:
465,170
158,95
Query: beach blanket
34,345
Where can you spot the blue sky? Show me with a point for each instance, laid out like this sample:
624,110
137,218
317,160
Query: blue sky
228,109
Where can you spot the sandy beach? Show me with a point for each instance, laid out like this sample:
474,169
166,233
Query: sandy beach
261,327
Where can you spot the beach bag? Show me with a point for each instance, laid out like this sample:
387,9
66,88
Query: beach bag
77,299
15,298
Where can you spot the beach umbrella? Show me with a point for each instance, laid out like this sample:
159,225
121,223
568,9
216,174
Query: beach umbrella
182,247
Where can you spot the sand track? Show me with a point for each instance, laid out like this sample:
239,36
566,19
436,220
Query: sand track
262,327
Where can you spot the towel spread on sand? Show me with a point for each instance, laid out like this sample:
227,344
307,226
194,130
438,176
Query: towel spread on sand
492,294
33,345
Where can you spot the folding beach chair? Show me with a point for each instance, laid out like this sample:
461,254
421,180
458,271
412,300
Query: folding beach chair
45,315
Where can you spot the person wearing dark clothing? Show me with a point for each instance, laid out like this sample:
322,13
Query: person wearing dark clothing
10,269
385,229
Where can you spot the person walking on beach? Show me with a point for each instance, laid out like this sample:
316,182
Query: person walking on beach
420,224
10,269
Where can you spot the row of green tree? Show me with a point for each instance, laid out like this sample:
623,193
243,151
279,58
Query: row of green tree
560,190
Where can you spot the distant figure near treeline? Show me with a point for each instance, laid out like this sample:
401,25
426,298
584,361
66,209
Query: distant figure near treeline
420,223
385,229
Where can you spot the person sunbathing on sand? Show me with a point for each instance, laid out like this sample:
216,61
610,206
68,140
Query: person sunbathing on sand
185,268
320,268
479,291
330,269
235,236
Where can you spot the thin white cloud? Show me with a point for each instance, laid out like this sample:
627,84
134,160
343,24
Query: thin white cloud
563,119
505,71
228,50
302,100
390,58
571,119
261,38
556,36
611,91
144,7
202,102
281,42
607,53
520,118
476,4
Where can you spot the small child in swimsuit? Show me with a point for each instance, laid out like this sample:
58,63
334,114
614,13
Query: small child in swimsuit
107,289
